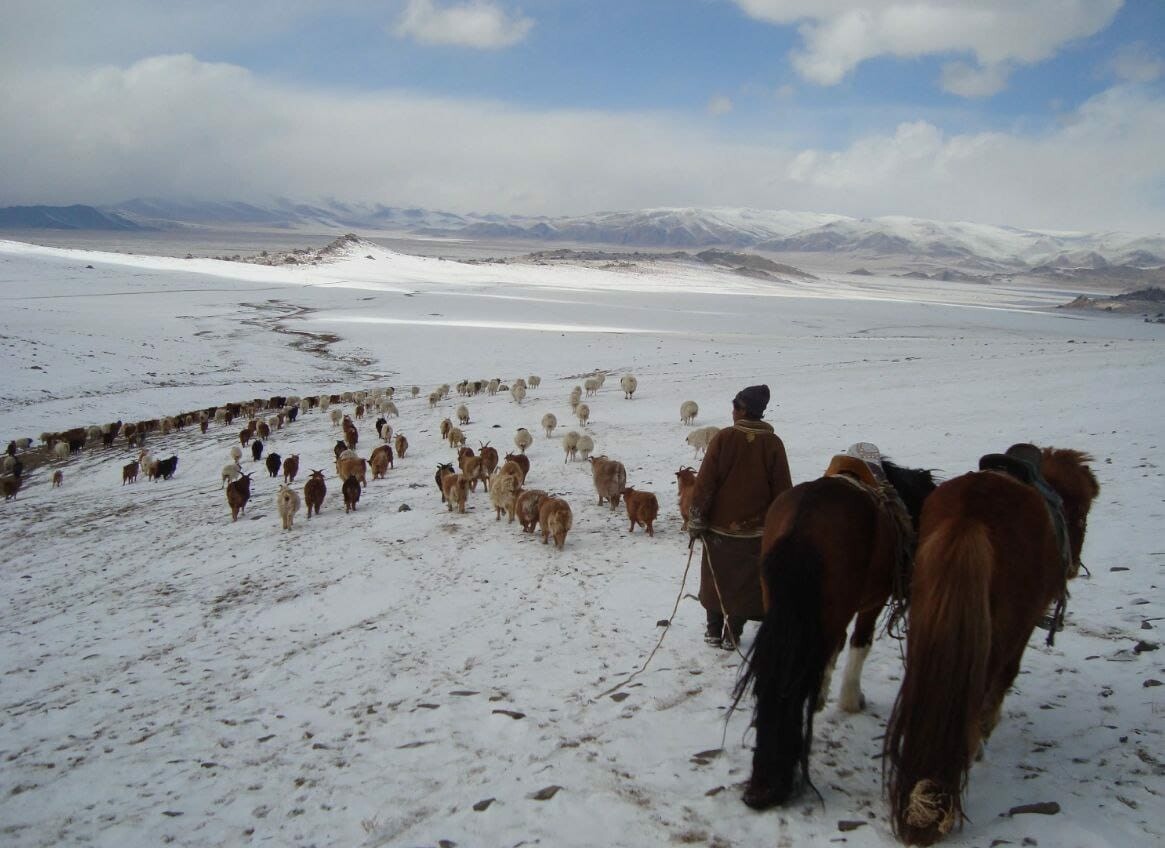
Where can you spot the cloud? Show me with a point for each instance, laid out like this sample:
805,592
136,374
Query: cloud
477,23
174,126
838,35
1136,62
720,105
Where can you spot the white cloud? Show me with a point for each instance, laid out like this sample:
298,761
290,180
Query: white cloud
175,126
838,35
1137,63
476,23
720,105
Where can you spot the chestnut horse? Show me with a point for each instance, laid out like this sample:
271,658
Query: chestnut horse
833,548
991,560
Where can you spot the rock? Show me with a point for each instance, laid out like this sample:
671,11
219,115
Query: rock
1150,683
482,805
1044,808
847,826
620,696
663,622
1144,646
404,508
546,793
511,713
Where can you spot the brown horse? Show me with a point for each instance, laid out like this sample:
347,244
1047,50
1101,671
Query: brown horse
833,548
991,559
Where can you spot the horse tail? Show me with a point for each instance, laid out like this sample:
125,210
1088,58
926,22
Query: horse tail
934,728
784,668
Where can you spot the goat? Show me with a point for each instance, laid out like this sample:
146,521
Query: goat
686,485
456,437
245,436
58,478
401,444
446,426
584,414
238,493
462,414
527,506
256,450
700,438
10,486
290,468
287,502
503,491
314,491
642,508
443,470
61,450
263,430
380,423
339,447
351,435
347,468
381,461
473,470
549,422
610,478
689,409
586,445
522,461
629,384
129,473
523,439
359,411
489,457
455,488
555,517
570,446
274,463
351,492
166,468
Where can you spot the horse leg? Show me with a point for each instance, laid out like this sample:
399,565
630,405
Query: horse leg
851,698
827,675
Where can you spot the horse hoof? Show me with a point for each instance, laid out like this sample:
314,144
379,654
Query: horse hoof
763,796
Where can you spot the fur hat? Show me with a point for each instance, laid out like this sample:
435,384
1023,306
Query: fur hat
752,400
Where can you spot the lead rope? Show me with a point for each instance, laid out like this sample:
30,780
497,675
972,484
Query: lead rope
671,618
723,610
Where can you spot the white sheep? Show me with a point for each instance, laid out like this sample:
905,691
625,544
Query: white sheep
236,453
324,402
61,450
287,502
700,438
585,445
629,384
591,384
305,405
570,446
523,439
534,381
230,473
549,422
348,397
492,386
337,415
456,437
415,390
518,393
389,409
688,411
434,399
520,382
462,414
575,397
584,414
601,376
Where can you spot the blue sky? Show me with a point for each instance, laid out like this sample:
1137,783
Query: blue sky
1041,113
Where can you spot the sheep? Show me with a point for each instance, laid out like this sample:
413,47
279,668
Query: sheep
287,502
503,492
61,450
434,399
534,381
337,415
555,517
601,376
584,414
570,446
351,492
238,493
8,463
527,506
58,478
129,473
290,468
414,390
347,397
381,461
230,472
491,387
629,384
314,491
23,444
390,409
443,470
462,414
324,401
350,467
522,461
446,426
456,437
575,397
700,438
401,444
443,389
610,478
689,409
518,393
523,439
549,422
10,486
305,405
686,486
642,508
591,384
236,453
586,445
455,488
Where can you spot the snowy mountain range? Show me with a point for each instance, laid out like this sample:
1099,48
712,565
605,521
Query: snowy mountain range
975,246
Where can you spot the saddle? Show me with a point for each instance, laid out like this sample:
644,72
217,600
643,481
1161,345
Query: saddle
1022,462
862,462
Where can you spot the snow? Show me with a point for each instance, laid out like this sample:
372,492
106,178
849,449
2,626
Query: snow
172,678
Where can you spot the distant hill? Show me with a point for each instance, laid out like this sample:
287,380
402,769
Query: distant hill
62,218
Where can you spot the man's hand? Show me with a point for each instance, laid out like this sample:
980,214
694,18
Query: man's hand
696,529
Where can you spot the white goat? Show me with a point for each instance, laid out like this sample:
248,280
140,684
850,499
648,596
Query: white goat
287,502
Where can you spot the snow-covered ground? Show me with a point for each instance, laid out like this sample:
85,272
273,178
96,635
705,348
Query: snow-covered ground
420,678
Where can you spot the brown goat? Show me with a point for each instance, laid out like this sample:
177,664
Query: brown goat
357,468
351,490
472,468
610,478
527,508
522,462
401,444
455,488
314,491
129,473
686,483
290,468
9,486
489,457
642,508
443,470
238,493
245,436
555,518
381,461
58,478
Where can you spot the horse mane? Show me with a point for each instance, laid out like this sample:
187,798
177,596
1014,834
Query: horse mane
912,486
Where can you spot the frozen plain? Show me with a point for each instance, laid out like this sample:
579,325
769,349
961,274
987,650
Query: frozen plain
171,677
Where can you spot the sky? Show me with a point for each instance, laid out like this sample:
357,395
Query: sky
1046,114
